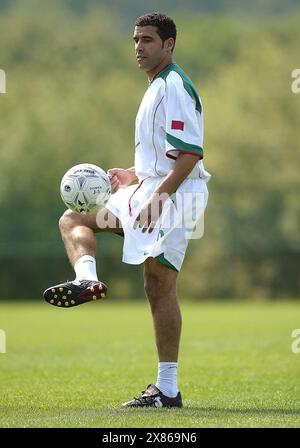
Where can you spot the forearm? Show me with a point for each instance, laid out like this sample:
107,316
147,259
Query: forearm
182,168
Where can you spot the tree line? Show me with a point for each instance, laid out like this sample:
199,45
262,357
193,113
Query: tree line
72,92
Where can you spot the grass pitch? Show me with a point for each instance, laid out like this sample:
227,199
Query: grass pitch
74,367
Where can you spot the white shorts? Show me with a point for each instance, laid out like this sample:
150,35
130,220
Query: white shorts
182,219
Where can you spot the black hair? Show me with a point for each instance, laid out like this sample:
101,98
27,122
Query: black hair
165,25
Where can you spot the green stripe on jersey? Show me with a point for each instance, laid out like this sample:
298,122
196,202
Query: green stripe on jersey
187,82
180,144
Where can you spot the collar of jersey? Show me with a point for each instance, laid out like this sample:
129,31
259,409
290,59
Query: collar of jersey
161,72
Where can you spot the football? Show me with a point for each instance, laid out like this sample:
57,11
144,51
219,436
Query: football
85,188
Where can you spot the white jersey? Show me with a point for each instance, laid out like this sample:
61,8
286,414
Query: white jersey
169,121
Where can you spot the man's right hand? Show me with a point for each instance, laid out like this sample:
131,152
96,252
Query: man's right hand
120,178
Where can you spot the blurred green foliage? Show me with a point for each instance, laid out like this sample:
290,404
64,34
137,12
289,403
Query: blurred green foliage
130,9
73,89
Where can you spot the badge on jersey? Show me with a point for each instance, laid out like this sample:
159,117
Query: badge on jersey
179,125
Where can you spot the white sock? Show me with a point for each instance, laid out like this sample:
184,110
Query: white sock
167,378
85,269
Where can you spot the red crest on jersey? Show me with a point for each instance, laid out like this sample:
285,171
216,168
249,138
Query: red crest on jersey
179,125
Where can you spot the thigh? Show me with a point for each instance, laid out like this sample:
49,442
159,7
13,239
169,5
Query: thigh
106,221
103,221
162,275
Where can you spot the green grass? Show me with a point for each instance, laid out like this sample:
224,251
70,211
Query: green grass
73,368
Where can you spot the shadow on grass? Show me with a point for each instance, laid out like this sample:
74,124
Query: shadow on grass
216,410
67,415
186,411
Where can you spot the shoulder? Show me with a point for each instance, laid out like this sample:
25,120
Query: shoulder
179,83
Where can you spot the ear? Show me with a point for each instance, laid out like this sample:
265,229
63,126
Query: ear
169,44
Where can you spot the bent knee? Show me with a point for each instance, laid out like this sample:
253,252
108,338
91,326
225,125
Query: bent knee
70,220
67,220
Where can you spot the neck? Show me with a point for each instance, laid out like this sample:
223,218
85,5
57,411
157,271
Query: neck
159,68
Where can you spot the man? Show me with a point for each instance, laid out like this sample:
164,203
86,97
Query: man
150,215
